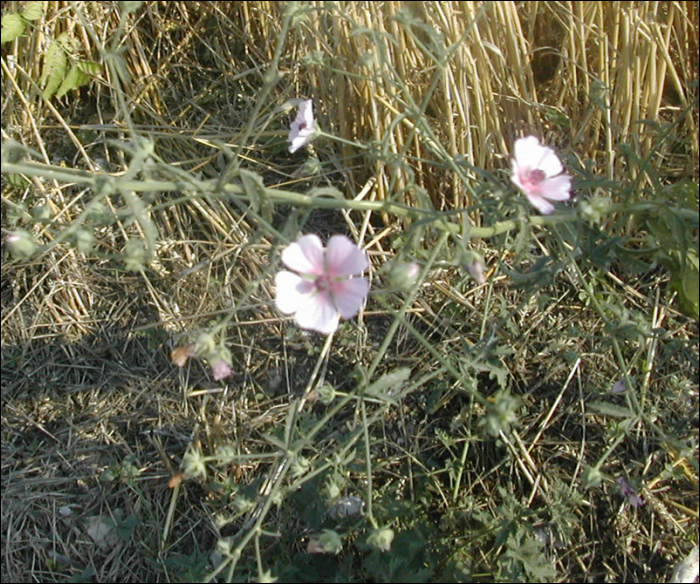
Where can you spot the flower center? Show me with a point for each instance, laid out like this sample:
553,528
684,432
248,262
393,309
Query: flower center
323,283
533,177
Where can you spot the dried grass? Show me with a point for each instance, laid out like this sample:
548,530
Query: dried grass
85,346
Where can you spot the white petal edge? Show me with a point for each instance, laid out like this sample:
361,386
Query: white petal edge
542,204
305,255
287,297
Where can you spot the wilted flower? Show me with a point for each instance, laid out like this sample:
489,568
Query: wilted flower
325,286
632,497
220,361
303,127
180,355
537,171
220,370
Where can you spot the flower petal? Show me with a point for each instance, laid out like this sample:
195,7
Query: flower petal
549,162
288,296
303,127
305,255
528,152
557,188
318,313
349,295
542,204
344,258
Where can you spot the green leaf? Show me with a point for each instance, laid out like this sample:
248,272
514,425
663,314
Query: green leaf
33,10
689,284
128,7
389,384
254,188
12,27
73,80
610,409
55,63
90,67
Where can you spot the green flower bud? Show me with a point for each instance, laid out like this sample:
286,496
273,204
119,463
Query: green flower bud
404,276
22,244
329,542
381,538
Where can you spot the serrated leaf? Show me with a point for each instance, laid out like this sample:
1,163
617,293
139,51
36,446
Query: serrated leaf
33,10
610,409
55,63
12,27
73,80
90,67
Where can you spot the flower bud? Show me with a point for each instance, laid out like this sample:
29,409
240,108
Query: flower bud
381,538
329,542
404,276
21,244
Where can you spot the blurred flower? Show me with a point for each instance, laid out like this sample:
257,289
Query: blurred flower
303,127
324,287
620,386
220,370
537,172
476,271
220,361
632,497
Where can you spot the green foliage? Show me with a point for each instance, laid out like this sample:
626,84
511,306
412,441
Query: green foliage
55,77
55,63
14,25
524,559
408,560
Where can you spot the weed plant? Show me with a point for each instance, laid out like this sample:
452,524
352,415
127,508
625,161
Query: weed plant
516,400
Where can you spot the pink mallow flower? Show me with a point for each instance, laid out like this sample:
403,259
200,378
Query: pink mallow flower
537,171
325,286
303,128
